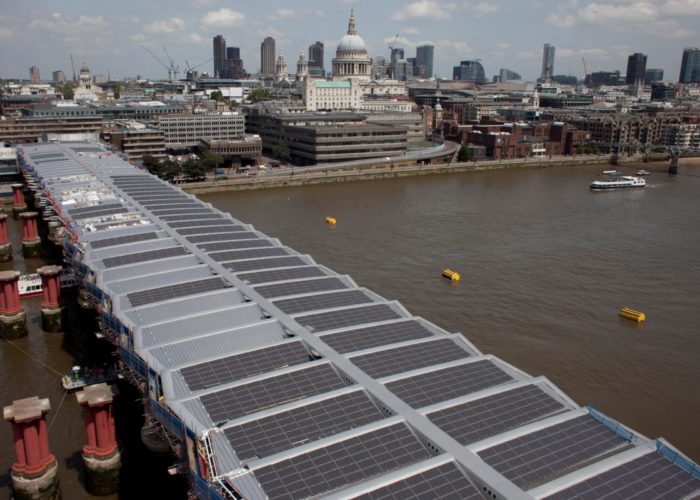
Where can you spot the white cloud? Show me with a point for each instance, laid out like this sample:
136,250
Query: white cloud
483,9
503,45
592,53
681,7
223,18
193,38
561,20
421,9
627,13
285,14
410,31
139,38
65,25
165,26
6,32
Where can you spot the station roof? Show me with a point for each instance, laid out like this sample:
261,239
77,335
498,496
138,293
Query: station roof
305,384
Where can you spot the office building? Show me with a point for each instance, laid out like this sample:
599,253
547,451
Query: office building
636,66
411,67
547,63
59,77
268,57
137,140
322,95
34,74
233,64
424,61
653,75
690,66
397,54
316,55
469,71
183,131
219,55
506,75
233,53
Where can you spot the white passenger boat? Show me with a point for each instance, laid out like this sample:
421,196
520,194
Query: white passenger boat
621,182
30,284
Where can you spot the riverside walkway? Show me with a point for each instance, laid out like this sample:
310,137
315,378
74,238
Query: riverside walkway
275,377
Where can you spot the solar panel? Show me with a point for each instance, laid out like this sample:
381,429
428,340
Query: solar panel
250,265
185,211
144,297
92,208
153,205
448,383
248,398
331,320
99,213
649,476
209,229
87,149
247,364
299,287
232,245
544,455
122,240
410,357
132,258
443,481
204,221
322,301
281,275
343,463
235,233
486,417
375,336
188,217
254,253
270,435
160,197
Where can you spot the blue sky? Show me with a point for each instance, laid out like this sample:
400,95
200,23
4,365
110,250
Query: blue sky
108,36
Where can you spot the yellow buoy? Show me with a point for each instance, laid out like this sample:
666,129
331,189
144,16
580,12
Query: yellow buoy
450,275
331,220
628,313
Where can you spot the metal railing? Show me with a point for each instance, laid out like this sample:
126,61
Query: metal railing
611,424
678,459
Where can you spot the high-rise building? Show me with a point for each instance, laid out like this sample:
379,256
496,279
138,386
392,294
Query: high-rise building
653,75
469,71
506,75
690,66
424,61
397,54
411,67
547,62
219,55
636,66
316,55
34,75
233,65
267,56
59,77
233,53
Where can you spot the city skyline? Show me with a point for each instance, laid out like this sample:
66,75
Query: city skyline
500,34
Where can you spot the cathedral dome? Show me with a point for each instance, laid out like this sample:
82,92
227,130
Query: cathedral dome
351,42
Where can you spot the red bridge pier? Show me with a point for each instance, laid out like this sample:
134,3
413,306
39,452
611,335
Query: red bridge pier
51,309
19,205
35,472
13,319
31,242
5,245
101,456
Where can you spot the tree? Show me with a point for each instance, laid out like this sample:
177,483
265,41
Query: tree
210,159
466,153
257,95
281,151
193,169
117,90
216,95
67,91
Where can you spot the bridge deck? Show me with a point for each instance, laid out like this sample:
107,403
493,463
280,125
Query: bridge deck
284,379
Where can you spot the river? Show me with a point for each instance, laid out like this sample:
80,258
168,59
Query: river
545,263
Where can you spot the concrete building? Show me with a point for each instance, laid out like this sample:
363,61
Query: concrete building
685,135
653,75
424,61
417,127
86,90
636,66
281,69
34,74
322,95
219,55
469,71
244,151
547,62
505,75
351,60
186,131
384,88
380,68
267,57
31,129
690,66
59,77
137,140
316,55
233,64
327,137
302,67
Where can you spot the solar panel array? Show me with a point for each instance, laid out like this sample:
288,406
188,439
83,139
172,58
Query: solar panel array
123,240
321,322
650,476
444,481
402,359
375,336
234,245
175,291
440,385
231,403
254,253
300,287
492,415
546,454
267,263
229,369
339,464
133,258
281,275
298,426
322,301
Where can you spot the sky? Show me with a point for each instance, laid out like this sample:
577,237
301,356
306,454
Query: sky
108,36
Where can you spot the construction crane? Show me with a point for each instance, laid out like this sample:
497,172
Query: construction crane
393,42
585,71
167,68
72,64
192,68
173,70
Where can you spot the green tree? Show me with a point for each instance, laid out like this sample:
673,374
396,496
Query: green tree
217,95
578,149
466,153
117,90
210,159
67,91
281,151
193,169
257,95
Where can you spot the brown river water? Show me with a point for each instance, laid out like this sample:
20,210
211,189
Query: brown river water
545,264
